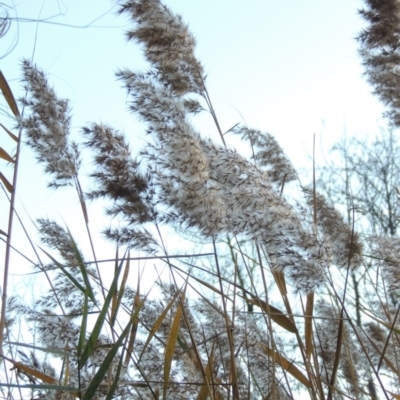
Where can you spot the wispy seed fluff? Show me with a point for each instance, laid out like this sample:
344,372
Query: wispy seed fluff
387,252
346,245
217,190
169,46
351,359
254,207
58,238
379,51
116,175
182,169
118,178
268,155
48,127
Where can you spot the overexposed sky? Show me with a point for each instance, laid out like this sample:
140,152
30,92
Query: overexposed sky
288,67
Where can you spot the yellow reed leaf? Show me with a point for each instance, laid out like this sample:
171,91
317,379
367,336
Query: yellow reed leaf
8,95
288,366
276,315
6,183
5,156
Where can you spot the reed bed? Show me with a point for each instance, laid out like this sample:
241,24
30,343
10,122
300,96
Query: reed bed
268,311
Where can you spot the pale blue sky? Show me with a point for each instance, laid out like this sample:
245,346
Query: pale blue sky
288,67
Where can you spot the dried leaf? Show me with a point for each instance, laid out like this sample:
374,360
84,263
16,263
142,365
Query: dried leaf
207,285
30,371
395,396
170,347
158,323
8,95
45,386
308,332
12,136
84,210
280,281
6,183
288,366
276,315
205,389
5,156
338,350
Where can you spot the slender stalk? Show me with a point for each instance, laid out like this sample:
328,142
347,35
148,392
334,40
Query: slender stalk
211,108
8,245
86,216
229,327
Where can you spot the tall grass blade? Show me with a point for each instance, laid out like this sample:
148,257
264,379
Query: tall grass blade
64,270
82,267
171,342
44,349
96,381
101,318
116,303
114,385
158,323
135,326
115,297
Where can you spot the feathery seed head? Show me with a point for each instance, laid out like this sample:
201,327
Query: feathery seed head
268,154
118,178
346,244
48,127
379,49
169,46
